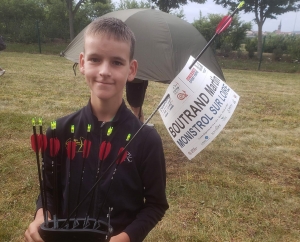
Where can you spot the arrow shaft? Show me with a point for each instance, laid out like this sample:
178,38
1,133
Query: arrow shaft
70,156
204,49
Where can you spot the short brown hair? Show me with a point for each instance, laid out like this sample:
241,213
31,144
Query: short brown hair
112,27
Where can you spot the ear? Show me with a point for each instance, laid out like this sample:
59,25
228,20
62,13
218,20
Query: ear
81,63
133,70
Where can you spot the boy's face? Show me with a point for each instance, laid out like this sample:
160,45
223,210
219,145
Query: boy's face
107,67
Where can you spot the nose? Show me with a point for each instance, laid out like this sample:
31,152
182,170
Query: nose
105,69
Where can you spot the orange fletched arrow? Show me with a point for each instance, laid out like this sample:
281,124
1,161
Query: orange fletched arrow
71,146
105,148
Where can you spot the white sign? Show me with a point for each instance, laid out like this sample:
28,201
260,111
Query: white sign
199,107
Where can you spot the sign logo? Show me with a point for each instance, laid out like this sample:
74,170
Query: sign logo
194,149
182,95
192,75
79,144
129,157
205,140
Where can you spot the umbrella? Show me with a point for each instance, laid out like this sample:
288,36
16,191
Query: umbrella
164,43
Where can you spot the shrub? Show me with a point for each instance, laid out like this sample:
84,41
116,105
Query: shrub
251,47
239,53
275,42
277,54
294,48
226,49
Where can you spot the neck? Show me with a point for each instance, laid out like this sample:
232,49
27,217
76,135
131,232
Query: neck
105,111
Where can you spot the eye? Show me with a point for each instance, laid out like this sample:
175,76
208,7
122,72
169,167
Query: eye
117,63
94,60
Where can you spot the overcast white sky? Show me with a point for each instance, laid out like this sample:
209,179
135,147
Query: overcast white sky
289,21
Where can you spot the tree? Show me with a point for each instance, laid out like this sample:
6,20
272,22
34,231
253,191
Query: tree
18,25
178,13
233,37
129,4
168,5
56,23
72,8
263,9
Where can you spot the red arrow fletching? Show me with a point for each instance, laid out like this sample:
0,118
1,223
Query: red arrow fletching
54,146
42,142
224,24
123,156
34,142
71,148
86,148
105,148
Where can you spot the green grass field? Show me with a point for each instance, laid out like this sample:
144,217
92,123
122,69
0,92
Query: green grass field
244,186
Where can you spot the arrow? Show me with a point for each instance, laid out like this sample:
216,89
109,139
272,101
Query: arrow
35,146
71,148
105,146
87,143
104,150
42,138
54,148
122,154
85,154
43,145
54,142
224,24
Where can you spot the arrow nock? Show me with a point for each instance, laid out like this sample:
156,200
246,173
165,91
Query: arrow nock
53,125
33,121
89,128
72,129
109,131
128,137
241,4
40,122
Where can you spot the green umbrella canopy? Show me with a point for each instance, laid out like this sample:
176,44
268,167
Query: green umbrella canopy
164,43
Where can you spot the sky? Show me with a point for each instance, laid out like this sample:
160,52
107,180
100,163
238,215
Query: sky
289,21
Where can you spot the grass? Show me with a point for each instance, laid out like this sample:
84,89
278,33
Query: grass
244,186
267,64
49,48
241,61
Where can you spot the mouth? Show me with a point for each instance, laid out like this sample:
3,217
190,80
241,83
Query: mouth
104,83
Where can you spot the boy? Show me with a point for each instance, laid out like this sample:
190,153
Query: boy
137,193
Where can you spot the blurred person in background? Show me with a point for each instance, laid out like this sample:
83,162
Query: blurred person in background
135,95
2,47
